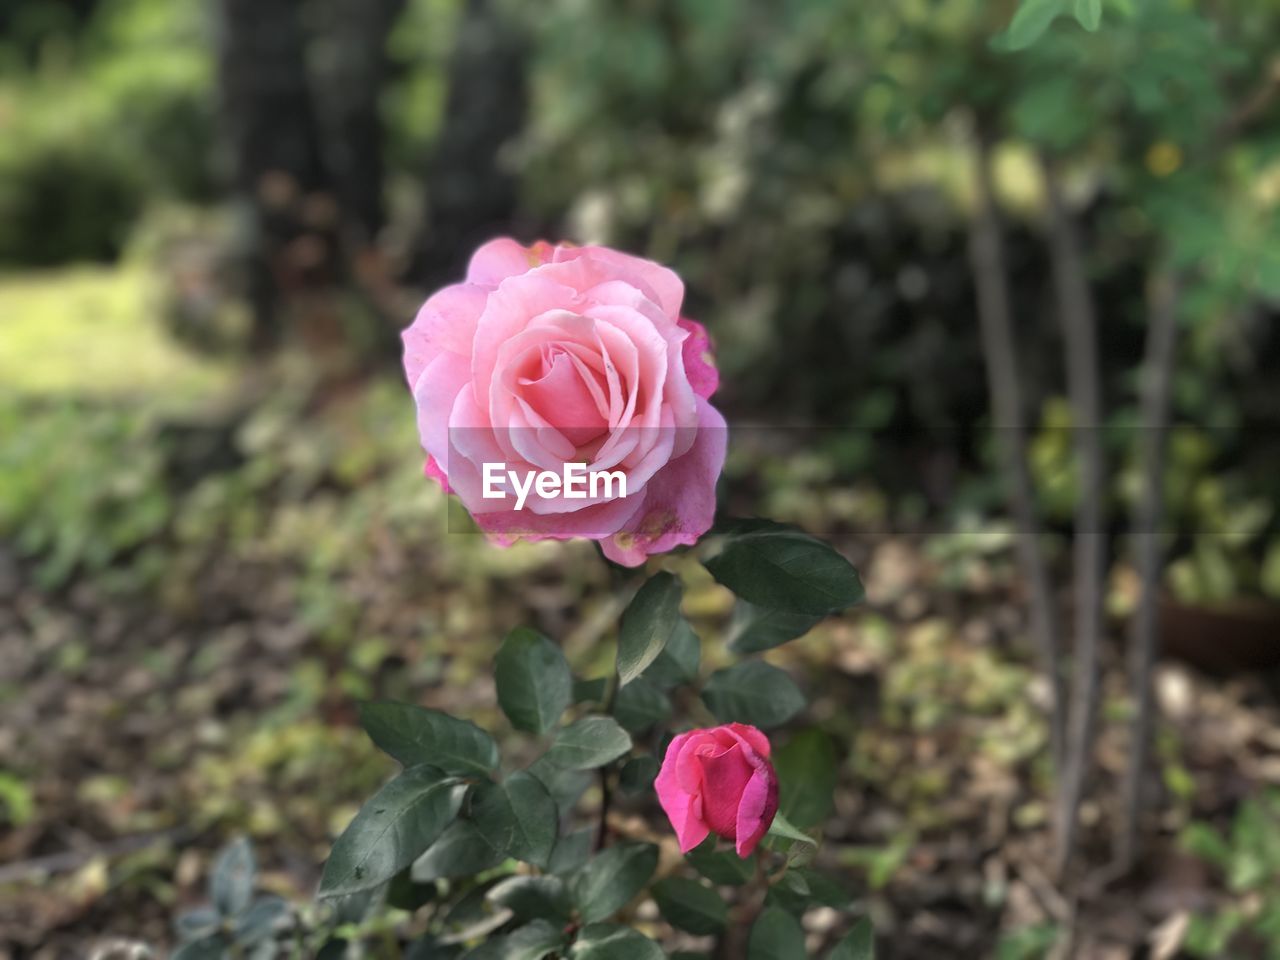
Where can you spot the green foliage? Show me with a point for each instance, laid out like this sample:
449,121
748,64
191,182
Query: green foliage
589,743
448,832
858,944
393,829
532,897
50,503
640,705
780,568
238,921
755,629
776,935
603,941
753,692
807,772
518,816
647,625
414,735
612,878
679,659
722,867
83,149
690,906
1249,857
534,683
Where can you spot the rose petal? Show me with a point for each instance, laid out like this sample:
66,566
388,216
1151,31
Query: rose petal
665,288
725,775
757,807
679,500
446,322
503,257
680,806
698,359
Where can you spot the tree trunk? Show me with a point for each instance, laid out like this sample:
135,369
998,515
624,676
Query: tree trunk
356,68
279,173
1159,360
986,252
471,196
1077,316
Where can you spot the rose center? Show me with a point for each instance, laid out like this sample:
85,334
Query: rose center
568,393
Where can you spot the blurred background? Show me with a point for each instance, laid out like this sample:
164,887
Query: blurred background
894,218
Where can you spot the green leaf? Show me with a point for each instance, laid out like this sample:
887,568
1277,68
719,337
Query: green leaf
612,878
590,742
208,948
1089,13
780,568
404,893
606,941
533,680
231,885
571,852
753,692
678,662
592,690
824,891
197,924
495,948
1030,22
798,845
391,831
637,775
647,624
415,735
755,628
723,867
807,770
462,850
776,935
427,948
690,906
534,941
518,817
639,705
260,921
565,786
859,944
532,897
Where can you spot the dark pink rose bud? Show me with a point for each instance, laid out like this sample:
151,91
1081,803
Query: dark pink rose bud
719,781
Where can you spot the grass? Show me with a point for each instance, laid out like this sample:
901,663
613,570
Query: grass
94,332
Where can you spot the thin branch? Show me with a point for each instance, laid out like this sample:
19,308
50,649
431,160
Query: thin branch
606,789
1078,318
1159,358
986,252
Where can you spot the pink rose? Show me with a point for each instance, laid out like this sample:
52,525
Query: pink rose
719,781
554,357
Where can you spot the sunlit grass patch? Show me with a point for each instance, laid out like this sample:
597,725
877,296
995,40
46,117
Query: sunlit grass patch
93,331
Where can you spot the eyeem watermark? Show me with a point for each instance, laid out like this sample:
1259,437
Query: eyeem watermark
574,483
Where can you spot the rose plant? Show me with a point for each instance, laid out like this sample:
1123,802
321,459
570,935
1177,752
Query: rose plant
547,355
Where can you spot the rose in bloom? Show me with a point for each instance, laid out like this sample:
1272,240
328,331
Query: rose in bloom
553,355
719,781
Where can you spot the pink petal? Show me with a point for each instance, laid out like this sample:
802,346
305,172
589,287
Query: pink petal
498,259
699,365
679,500
724,777
680,806
659,283
751,736
445,323
756,809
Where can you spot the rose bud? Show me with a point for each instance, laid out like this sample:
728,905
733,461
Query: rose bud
719,781
551,359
